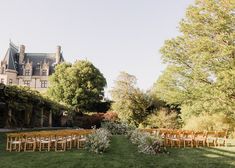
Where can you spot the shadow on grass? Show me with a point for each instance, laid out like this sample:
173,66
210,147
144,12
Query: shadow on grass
218,153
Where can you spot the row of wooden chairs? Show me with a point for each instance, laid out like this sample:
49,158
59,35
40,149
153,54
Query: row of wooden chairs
60,140
178,138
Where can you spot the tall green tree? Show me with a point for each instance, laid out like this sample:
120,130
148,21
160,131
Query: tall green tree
80,85
131,104
201,61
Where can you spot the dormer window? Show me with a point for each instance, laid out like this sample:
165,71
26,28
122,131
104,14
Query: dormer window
38,66
44,72
27,72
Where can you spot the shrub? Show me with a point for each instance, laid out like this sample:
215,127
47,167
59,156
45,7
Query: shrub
147,143
135,136
151,145
162,119
210,122
110,116
116,128
99,141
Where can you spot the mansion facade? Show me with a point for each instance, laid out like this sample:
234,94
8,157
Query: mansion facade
28,69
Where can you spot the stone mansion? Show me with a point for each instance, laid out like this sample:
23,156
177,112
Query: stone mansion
28,69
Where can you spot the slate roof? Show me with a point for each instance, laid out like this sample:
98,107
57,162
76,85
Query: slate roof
12,59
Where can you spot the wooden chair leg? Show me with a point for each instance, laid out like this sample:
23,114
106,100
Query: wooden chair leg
34,146
56,146
10,147
48,147
40,146
78,144
7,147
64,147
19,147
25,146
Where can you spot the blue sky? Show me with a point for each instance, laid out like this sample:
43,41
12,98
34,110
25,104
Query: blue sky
116,35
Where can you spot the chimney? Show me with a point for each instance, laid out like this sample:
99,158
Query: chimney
57,54
22,52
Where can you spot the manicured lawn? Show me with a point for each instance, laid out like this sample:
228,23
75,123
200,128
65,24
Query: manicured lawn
121,154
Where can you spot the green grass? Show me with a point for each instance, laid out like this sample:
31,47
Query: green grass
121,154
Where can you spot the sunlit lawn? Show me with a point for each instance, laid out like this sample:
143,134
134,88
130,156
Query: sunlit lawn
121,154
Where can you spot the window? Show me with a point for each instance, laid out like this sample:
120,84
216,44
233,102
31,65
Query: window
27,72
27,83
2,80
43,84
38,66
44,72
10,81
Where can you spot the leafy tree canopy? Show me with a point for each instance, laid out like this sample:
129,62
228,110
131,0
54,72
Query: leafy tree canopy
201,61
80,85
131,104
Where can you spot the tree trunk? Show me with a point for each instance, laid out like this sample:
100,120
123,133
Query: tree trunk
41,121
8,123
50,119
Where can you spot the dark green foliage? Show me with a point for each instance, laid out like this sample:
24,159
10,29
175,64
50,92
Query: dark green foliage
102,106
79,85
88,120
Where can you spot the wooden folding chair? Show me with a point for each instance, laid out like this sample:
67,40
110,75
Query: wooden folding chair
81,141
175,138
30,143
211,138
15,143
200,138
60,143
44,143
188,137
221,138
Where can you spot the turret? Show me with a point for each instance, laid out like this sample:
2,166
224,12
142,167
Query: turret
22,53
58,54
